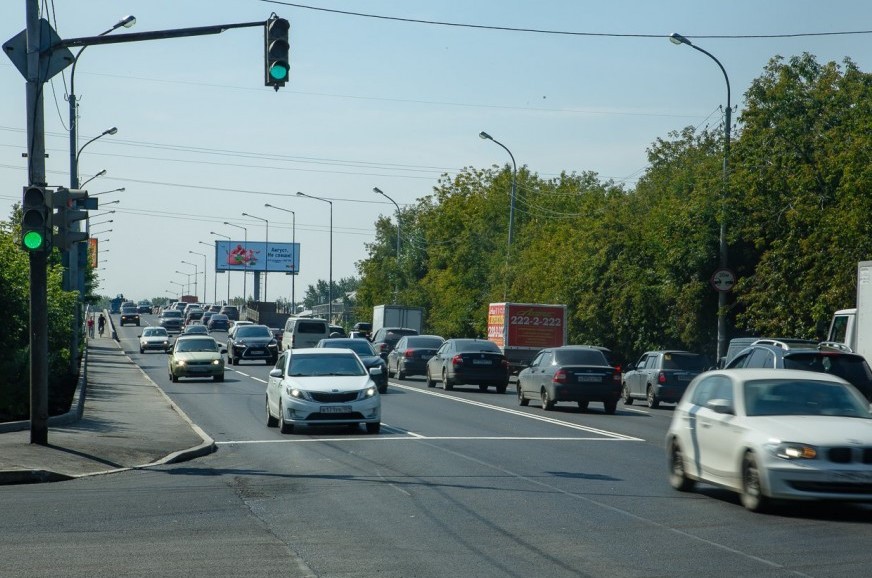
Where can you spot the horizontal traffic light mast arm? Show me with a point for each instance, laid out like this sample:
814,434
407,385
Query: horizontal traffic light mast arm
152,35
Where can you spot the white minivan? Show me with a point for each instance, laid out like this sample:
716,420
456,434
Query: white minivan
304,332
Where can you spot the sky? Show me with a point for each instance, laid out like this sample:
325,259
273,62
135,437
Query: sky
376,101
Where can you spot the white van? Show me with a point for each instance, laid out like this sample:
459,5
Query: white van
304,332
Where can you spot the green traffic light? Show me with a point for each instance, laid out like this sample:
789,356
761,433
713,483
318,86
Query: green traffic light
33,240
278,71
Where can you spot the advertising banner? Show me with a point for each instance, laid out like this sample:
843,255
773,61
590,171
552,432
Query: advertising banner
92,252
257,256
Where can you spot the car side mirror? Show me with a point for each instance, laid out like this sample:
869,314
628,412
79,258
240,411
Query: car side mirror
276,372
223,350
375,370
721,406
629,367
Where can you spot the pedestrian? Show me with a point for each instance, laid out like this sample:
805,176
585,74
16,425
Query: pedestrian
91,326
101,324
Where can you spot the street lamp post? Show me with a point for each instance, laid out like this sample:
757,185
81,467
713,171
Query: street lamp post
294,259
330,282
378,191
181,285
215,273
216,269
187,281
244,264
196,272
118,190
266,265
486,136
676,38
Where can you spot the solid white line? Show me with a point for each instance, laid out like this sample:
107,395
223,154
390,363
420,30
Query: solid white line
380,438
520,413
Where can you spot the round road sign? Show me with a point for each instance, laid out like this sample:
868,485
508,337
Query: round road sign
723,280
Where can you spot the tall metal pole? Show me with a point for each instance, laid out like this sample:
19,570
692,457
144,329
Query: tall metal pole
330,282
216,270
244,264
214,273
676,38
196,272
205,290
266,265
378,191
294,259
486,136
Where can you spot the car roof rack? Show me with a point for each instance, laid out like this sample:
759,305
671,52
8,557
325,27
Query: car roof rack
834,345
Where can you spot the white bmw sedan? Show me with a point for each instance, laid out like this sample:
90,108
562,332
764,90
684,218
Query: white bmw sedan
772,434
321,387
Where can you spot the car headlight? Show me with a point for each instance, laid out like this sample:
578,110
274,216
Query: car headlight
181,363
793,451
166,342
216,362
295,393
370,391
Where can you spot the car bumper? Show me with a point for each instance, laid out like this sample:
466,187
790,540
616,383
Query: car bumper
251,353
480,377
586,392
155,346
798,481
188,370
413,366
305,412
129,319
669,393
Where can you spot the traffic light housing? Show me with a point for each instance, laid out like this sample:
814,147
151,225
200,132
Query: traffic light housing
276,49
36,225
66,201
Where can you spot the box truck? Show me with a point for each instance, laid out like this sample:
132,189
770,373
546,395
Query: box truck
852,328
521,330
397,316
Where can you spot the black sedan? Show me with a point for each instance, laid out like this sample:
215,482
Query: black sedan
252,343
411,355
468,361
367,355
570,373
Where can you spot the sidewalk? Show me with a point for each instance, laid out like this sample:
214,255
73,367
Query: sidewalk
127,422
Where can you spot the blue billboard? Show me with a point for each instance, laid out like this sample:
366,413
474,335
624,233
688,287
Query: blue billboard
257,256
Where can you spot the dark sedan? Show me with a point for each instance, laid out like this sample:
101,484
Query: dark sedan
468,361
218,322
367,355
570,373
411,354
252,343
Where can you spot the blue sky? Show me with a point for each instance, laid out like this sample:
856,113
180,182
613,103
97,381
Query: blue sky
373,102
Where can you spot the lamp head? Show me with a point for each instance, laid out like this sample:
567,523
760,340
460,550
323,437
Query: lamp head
268,205
676,38
299,194
485,136
377,191
112,130
127,21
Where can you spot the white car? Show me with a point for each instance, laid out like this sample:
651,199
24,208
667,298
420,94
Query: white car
321,387
772,434
154,338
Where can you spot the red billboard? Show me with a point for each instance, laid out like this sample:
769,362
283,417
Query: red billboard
526,325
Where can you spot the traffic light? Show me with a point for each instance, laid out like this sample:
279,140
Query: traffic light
36,227
66,202
276,50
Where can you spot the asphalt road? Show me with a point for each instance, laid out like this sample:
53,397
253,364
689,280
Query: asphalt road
458,483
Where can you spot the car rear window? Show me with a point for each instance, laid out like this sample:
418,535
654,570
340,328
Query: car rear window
311,327
851,368
358,346
466,346
171,313
685,361
425,342
580,357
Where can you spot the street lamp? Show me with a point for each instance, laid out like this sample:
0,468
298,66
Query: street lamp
119,190
95,233
330,282
244,264
486,136
266,265
194,265
216,269
294,260
104,222
181,285
378,191
100,174
205,291
676,38
103,214
188,281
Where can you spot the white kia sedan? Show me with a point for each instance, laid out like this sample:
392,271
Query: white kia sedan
772,434
321,387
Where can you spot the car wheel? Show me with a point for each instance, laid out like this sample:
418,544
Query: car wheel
482,387
522,401
373,428
610,406
446,385
270,420
400,373
173,377
429,380
284,427
547,402
752,490
677,474
625,395
383,388
218,377
653,402
582,405
501,388
229,358
141,350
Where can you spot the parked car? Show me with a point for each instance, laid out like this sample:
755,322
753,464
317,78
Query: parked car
320,387
154,338
171,320
661,376
231,312
411,354
196,356
775,354
570,373
468,361
772,434
129,314
218,322
373,363
251,342
386,338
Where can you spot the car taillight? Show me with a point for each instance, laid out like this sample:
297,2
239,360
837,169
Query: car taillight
616,376
559,377
408,353
457,360
661,377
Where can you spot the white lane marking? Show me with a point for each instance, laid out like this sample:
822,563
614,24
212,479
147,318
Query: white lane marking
542,418
419,438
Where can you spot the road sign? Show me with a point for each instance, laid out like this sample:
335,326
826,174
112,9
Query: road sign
723,280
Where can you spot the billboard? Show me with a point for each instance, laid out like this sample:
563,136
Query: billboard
257,256
92,252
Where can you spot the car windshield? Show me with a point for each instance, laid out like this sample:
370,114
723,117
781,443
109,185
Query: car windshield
303,365
424,342
358,346
802,397
685,361
253,331
851,368
171,313
155,332
218,317
196,329
473,345
129,309
579,357
191,345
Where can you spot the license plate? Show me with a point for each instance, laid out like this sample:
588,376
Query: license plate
852,476
335,409
481,362
256,352
589,378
